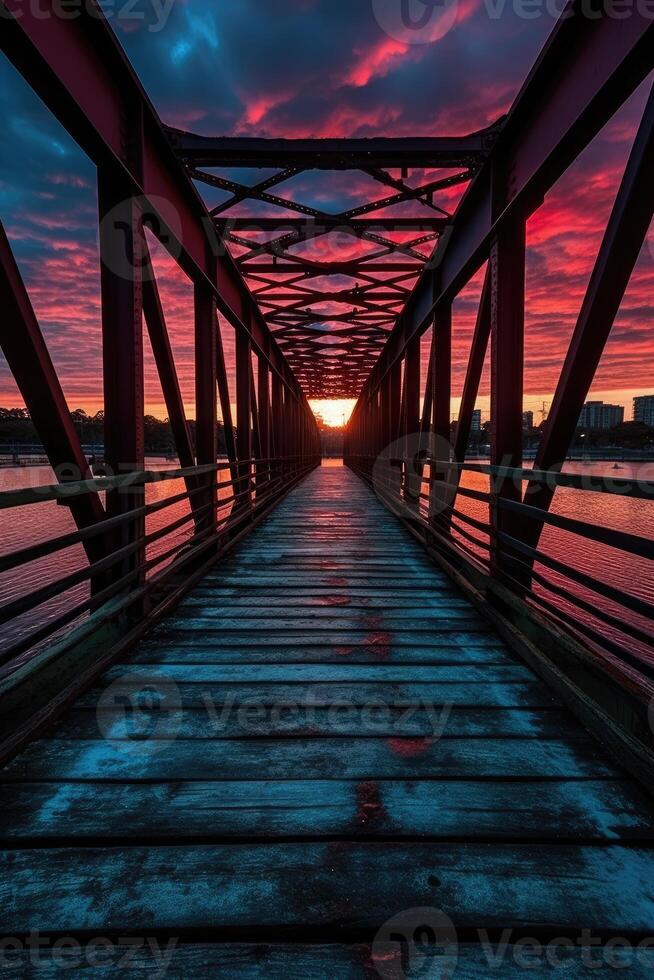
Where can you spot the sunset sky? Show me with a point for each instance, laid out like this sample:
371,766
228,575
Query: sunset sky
317,68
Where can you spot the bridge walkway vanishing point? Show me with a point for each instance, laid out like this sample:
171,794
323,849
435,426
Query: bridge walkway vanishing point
328,735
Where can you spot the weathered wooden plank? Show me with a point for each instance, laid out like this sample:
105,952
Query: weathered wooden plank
336,758
338,673
379,721
324,578
295,961
295,598
340,886
192,653
454,619
548,811
276,608
532,694
435,640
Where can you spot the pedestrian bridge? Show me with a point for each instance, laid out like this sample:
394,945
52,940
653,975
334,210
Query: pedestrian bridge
263,715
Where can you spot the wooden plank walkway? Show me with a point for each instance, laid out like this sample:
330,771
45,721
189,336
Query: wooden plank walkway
324,735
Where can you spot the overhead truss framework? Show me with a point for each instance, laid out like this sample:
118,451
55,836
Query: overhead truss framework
332,308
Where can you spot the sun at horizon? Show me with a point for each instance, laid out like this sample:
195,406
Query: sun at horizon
333,412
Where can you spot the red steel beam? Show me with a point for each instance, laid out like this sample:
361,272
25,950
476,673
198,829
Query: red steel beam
206,405
30,363
244,415
412,421
586,71
442,371
621,245
335,222
507,285
276,417
333,154
79,70
225,400
264,413
441,366
474,371
256,435
165,362
355,267
121,257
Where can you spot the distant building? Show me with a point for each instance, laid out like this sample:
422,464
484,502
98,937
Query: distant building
527,421
599,415
476,421
644,409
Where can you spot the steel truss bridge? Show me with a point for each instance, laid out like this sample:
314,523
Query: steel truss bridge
288,718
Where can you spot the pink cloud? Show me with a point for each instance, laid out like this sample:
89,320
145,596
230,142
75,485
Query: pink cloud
376,62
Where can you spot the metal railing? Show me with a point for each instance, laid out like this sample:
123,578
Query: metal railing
612,621
140,564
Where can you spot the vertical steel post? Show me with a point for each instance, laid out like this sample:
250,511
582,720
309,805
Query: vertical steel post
385,413
206,407
225,403
412,479
243,416
277,425
441,365
507,283
395,421
264,420
121,256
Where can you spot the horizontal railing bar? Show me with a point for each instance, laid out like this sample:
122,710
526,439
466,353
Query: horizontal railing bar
472,521
31,600
643,489
191,549
36,598
621,486
470,537
603,642
568,619
602,615
22,556
633,603
634,544
621,599
64,491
